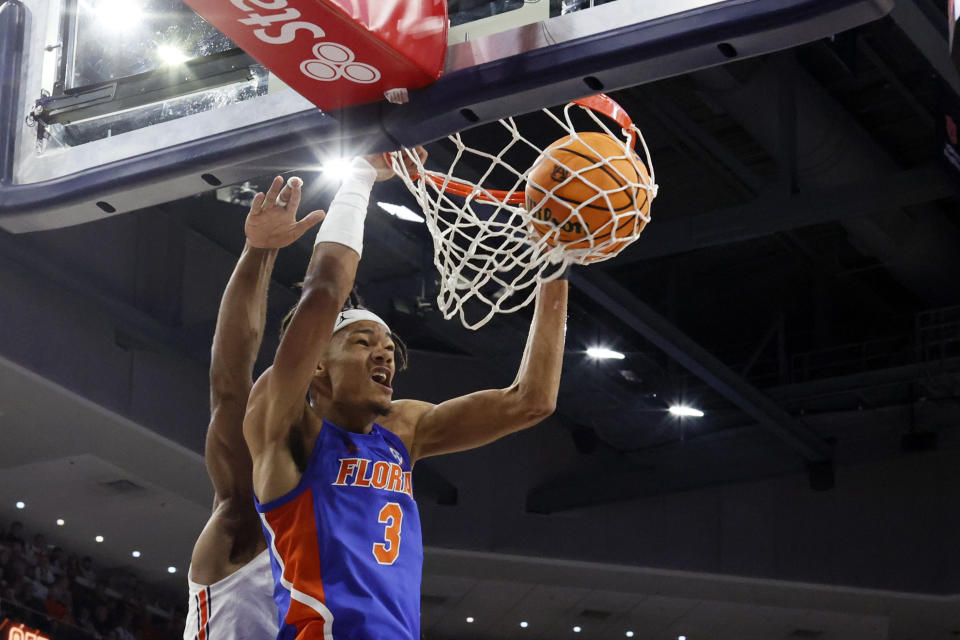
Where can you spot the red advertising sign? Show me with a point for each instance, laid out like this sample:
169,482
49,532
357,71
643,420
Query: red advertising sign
338,53
12,630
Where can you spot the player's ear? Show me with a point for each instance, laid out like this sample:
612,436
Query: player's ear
320,384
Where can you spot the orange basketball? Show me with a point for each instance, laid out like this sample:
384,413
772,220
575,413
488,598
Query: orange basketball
588,185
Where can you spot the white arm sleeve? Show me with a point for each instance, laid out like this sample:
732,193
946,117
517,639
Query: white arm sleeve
344,221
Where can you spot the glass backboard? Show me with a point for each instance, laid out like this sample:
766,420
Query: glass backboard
120,104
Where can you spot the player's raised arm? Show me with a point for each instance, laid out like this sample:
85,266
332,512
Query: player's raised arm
271,224
480,418
277,399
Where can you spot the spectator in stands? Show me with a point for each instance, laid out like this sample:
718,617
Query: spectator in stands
15,534
10,604
100,597
85,622
38,590
57,562
72,566
39,547
43,573
59,594
101,621
18,552
86,569
59,601
124,628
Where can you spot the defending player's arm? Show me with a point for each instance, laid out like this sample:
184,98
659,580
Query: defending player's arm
277,399
233,528
271,224
482,417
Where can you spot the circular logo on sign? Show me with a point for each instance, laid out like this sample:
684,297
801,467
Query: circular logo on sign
335,61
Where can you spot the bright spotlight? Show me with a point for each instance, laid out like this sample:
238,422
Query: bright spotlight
337,169
401,212
99,538
21,505
469,619
171,569
60,522
171,55
681,637
135,554
600,353
118,17
682,411
577,629
524,625
629,634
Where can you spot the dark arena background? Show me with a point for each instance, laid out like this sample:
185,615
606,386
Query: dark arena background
799,285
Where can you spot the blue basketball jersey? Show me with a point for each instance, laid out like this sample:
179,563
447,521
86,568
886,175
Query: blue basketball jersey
345,544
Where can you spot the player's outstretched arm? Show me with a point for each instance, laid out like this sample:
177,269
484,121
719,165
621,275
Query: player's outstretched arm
271,224
480,418
233,527
277,400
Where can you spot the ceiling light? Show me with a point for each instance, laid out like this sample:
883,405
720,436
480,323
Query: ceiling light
629,634
21,505
171,55
682,411
600,353
401,212
469,619
135,554
171,569
524,625
576,629
681,637
99,538
60,522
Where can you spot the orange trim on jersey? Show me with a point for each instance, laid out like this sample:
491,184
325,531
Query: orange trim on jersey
296,541
203,614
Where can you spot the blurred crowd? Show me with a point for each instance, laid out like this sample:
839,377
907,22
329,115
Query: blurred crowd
69,598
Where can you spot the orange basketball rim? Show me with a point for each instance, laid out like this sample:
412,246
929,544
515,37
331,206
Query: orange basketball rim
600,103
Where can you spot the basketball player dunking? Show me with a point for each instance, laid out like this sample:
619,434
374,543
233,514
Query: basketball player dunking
230,581
332,473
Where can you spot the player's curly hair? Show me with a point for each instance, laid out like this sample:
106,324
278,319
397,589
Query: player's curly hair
354,301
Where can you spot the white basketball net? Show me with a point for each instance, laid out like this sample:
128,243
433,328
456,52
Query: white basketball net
489,258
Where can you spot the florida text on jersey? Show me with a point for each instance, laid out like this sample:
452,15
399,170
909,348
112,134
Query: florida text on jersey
345,544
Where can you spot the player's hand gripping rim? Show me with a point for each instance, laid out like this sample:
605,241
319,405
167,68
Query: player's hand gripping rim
382,163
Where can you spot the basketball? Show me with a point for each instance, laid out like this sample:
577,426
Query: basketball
587,186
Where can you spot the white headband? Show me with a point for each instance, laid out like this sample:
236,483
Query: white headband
350,316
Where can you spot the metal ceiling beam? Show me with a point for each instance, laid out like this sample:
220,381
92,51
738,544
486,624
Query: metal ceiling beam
708,150
778,212
918,108
605,291
916,244
929,40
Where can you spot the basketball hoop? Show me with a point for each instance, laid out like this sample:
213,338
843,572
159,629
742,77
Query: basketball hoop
491,252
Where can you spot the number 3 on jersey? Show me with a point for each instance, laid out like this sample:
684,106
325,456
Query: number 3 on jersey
392,516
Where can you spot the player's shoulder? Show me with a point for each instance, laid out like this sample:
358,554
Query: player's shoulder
403,418
409,411
263,395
